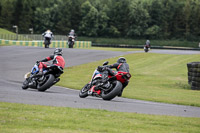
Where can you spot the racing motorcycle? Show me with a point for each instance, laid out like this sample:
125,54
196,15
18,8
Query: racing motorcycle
47,42
104,85
146,48
50,77
71,40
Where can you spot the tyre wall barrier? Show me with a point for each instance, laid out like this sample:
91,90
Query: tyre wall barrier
194,75
54,44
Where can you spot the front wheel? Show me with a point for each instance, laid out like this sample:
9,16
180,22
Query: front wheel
146,49
25,84
47,83
84,91
113,92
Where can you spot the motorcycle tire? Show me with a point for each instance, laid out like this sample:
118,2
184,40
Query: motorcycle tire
114,92
46,44
49,82
71,44
25,85
84,91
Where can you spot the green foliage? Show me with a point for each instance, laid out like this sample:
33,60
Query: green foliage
23,118
139,18
155,77
7,10
89,23
152,19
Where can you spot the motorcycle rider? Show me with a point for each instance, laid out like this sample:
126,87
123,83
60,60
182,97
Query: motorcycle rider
57,58
121,65
147,44
48,35
72,33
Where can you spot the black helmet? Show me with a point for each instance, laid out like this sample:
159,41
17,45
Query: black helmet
121,60
58,51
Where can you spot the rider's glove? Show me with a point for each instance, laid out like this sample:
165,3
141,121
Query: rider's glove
101,68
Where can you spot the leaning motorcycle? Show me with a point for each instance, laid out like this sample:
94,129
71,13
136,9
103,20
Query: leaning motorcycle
50,77
104,85
71,40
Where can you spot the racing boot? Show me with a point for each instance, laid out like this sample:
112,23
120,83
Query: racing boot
39,74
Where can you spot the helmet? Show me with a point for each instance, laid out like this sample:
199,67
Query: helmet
58,51
72,30
121,60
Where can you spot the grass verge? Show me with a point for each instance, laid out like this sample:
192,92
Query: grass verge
128,41
22,118
114,49
155,77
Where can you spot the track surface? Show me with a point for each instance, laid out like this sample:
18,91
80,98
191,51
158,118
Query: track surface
17,60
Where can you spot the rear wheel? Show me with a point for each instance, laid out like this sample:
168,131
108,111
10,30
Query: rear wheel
47,83
146,49
113,92
84,91
46,43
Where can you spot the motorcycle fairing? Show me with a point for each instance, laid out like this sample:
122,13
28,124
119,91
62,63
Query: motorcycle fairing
92,91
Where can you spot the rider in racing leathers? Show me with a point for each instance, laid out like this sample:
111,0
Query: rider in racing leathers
72,34
121,65
57,58
48,35
147,44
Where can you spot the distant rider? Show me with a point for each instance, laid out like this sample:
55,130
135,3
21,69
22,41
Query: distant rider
57,58
48,35
121,65
147,44
72,33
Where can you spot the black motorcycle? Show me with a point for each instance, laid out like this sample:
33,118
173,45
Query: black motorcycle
50,77
47,42
146,48
71,40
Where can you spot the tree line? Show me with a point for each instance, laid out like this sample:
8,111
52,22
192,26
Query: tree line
155,19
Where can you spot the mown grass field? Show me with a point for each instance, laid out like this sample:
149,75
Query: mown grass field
20,118
155,77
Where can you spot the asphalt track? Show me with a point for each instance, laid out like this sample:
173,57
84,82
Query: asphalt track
17,60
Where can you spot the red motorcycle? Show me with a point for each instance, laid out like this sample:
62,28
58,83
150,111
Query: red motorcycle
104,85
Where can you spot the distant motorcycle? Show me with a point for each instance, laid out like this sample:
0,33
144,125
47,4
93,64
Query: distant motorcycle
146,48
47,42
50,77
71,40
103,85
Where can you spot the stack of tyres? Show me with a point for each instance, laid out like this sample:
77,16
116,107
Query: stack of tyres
194,75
